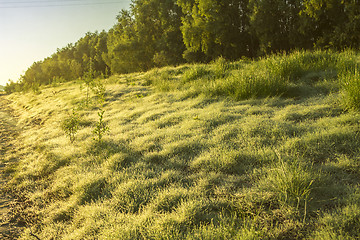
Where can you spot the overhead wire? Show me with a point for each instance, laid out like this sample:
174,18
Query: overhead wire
56,4
47,1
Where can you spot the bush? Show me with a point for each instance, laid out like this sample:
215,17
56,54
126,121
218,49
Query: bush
12,87
70,125
100,128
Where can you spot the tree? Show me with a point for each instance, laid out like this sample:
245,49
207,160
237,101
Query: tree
34,76
157,24
277,24
146,36
123,54
336,23
213,28
91,47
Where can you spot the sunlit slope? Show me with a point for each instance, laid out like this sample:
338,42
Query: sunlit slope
182,163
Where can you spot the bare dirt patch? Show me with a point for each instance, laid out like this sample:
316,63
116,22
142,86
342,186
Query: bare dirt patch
9,226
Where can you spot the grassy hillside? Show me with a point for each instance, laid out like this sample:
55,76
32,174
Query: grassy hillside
265,149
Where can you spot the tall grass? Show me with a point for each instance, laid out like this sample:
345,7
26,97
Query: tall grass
266,77
292,182
350,84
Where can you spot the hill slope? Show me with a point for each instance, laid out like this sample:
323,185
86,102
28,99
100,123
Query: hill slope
186,157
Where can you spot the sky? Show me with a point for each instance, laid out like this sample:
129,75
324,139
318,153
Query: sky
31,30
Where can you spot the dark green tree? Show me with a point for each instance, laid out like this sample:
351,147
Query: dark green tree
213,28
91,47
123,54
335,23
146,36
157,24
277,25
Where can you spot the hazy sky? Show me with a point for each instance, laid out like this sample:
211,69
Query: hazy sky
31,30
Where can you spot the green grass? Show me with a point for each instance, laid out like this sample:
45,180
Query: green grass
299,73
262,149
350,82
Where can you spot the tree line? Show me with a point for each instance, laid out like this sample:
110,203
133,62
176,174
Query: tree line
156,33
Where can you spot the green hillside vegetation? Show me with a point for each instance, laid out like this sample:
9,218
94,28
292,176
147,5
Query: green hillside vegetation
265,149
158,33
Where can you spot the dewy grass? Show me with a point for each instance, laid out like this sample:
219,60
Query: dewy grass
350,83
292,183
197,160
266,77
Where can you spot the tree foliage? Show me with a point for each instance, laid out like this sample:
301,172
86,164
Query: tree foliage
146,36
214,28
276,24
336,23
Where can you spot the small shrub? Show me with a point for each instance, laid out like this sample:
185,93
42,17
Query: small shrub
70,125
100,128
88,79
99,90
12,87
